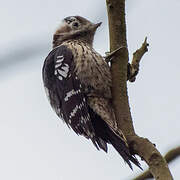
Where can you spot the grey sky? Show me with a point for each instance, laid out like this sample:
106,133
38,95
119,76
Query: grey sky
35,144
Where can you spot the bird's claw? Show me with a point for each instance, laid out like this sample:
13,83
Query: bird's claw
110,55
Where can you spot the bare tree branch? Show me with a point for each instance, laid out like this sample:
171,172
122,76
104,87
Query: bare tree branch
170,156
134,66
141,146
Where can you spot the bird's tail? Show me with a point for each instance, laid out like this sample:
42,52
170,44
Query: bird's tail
104,135
122,149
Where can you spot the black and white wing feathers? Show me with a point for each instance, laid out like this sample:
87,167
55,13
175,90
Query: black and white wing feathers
65,93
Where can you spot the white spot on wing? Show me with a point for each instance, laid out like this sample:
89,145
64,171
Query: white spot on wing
65,68
72,114
60,57
61,69
57,65
71,93
61,73
60,78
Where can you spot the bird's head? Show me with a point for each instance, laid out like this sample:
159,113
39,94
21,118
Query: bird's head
75,27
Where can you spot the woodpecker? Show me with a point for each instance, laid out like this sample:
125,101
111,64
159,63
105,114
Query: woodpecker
78,82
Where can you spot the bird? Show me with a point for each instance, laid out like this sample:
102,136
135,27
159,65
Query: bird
77,82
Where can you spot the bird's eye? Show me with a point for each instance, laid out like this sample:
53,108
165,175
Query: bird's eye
75,24
68,21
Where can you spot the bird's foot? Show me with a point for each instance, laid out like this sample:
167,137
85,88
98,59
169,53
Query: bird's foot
110,55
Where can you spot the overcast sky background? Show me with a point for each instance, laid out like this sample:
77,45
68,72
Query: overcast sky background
35,144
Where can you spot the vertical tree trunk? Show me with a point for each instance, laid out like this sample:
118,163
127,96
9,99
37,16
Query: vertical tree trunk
141,146
117,31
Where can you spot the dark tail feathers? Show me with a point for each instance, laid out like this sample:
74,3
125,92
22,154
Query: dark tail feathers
122,149
105,135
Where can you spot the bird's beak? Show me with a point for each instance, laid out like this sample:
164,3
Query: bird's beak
95,26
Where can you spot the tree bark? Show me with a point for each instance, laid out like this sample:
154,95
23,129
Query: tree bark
170,156
141,146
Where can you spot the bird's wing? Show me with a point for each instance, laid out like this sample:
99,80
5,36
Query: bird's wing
65,93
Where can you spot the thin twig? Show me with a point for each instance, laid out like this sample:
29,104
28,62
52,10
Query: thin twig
134,66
